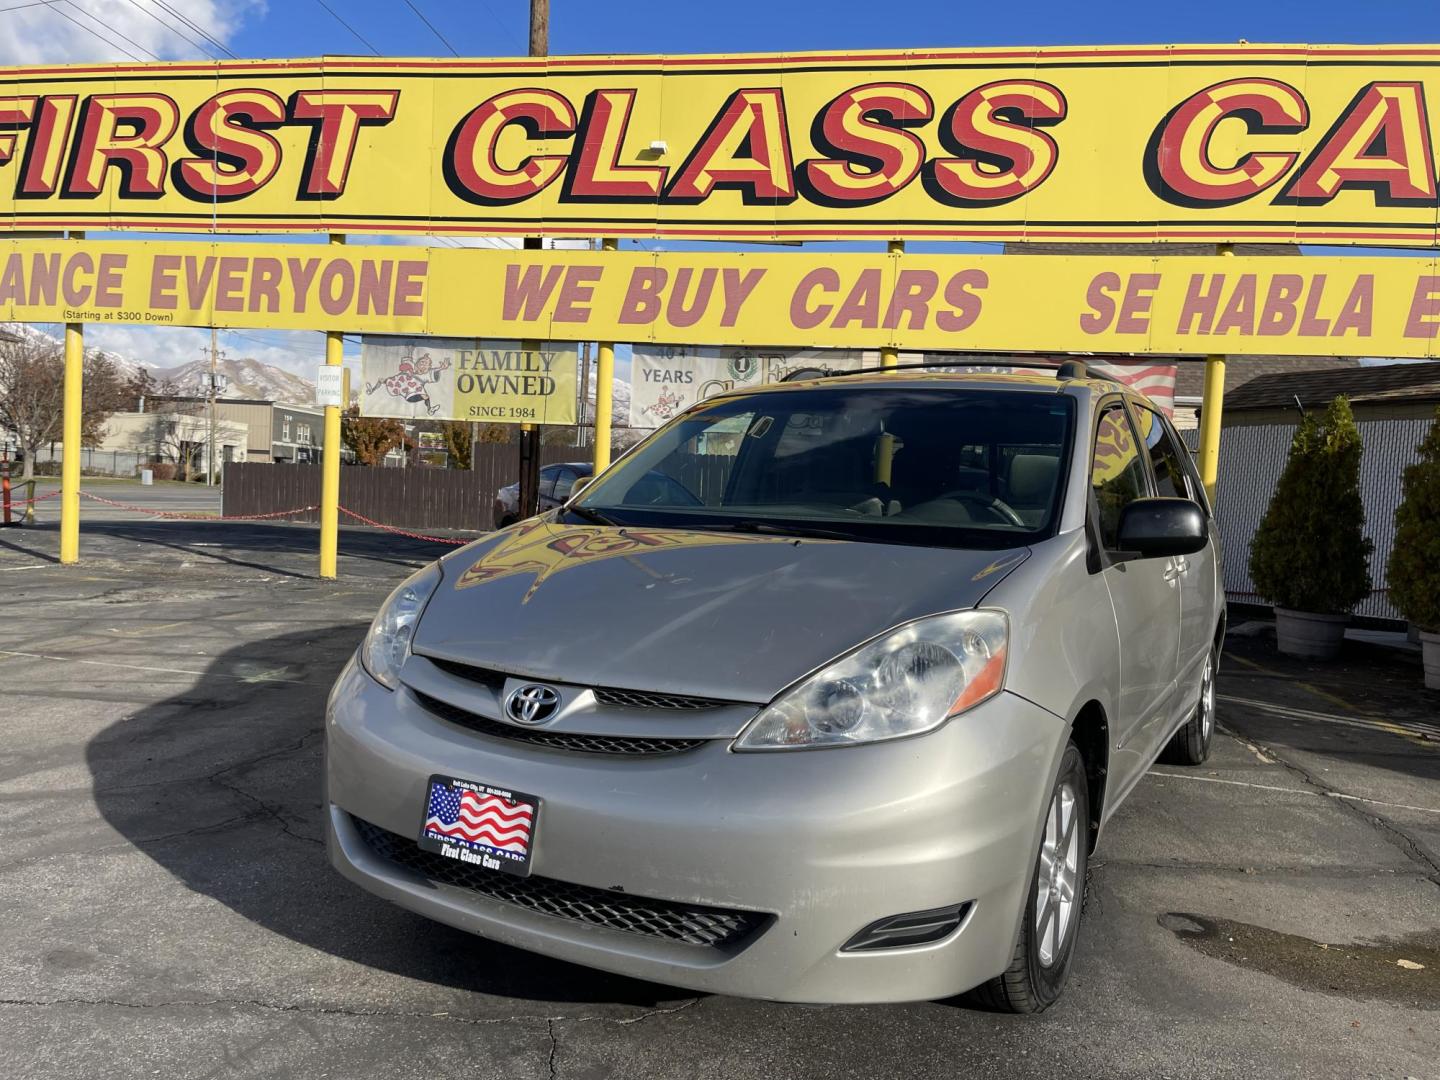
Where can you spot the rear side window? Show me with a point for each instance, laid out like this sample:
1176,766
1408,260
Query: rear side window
1117,475
563,483
1164,454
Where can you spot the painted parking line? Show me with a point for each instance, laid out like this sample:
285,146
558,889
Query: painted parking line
1381,723
1295,791
256,677
1415,731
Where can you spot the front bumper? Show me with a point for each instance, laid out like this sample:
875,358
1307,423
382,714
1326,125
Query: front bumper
821,842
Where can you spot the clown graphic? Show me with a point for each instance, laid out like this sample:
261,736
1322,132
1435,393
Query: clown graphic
411,382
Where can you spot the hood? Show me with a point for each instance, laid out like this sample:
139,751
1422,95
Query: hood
710,614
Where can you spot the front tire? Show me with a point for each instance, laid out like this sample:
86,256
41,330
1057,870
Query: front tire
1037,971
1191,744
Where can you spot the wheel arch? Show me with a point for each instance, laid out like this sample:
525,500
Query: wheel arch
1090,732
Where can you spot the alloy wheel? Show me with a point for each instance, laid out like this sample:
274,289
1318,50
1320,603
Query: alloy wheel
1207,699
1056,880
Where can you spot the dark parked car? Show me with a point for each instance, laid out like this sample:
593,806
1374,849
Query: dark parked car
556,483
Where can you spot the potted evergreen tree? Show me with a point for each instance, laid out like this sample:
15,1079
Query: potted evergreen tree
1310,557
1414,569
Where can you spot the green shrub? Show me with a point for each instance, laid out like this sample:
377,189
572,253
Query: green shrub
1414,570
1310,553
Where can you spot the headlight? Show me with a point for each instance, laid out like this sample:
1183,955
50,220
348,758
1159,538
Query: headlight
387,645
908,682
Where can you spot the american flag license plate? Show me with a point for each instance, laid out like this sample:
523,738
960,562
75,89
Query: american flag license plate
487,827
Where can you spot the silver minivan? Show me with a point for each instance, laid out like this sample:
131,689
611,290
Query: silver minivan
822,693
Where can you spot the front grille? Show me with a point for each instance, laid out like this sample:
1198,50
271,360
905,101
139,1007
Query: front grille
644,699
632,699
493,680
715,928
575,742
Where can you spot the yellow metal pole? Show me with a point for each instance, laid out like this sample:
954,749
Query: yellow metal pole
889,355
330,458
604,389
71,429
70,443
1212,407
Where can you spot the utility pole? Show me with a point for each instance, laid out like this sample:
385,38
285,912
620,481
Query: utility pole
530,433
539,27
214,378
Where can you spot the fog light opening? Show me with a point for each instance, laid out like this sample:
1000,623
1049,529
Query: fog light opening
910,929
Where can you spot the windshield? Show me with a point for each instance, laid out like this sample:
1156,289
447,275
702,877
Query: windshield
947,466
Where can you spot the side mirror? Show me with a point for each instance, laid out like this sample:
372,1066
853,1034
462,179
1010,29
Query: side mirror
1156,528
580,482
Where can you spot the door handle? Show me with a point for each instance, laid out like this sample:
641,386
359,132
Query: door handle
1182,565
1173,570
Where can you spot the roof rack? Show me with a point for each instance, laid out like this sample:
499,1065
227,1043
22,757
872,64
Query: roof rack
826,373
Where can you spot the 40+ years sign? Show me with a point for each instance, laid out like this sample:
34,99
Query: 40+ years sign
1291,143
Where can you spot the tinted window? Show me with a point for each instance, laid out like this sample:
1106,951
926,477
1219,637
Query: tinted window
937,465
547,479
1164,455
563,483
1117,475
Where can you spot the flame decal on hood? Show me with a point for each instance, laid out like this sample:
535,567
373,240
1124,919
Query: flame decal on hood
544,549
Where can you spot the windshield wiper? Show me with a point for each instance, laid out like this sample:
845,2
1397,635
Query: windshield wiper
592,516
770,529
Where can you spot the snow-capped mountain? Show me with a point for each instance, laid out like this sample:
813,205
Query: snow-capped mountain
127,368
247,379
620,400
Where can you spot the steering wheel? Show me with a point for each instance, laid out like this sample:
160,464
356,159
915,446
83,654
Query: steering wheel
665,491
998,509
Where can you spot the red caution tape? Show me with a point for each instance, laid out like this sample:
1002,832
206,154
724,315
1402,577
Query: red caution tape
401,532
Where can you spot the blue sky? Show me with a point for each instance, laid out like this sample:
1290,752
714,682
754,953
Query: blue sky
499,27
38,31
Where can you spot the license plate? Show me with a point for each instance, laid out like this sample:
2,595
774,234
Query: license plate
483,826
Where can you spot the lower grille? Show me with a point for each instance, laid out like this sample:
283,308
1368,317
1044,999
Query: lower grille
647,699
715,928
555,740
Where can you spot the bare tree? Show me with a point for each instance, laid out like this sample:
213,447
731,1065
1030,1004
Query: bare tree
32,395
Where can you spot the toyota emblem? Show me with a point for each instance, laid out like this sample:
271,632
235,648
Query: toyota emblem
531,704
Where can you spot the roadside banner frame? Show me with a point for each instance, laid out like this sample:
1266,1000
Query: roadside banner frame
1123,304
1139,143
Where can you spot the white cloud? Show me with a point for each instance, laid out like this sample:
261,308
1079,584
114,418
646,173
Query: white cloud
78,31
297,351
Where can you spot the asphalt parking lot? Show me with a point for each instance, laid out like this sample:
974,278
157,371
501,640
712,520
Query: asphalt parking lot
168,910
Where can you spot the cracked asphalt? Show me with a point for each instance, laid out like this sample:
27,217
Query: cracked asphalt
166,909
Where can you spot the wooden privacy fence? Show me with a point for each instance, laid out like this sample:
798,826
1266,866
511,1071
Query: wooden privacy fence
412,498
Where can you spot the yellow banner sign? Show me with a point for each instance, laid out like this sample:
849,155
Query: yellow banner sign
492,382
1329,306
1292,143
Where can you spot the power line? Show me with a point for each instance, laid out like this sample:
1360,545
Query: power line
183,37
112,29
359,37
55,10
421,16
495,20
196,27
